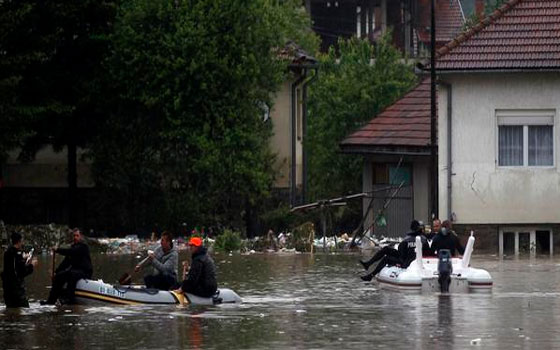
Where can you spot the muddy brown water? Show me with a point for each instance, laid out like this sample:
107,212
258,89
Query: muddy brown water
302,301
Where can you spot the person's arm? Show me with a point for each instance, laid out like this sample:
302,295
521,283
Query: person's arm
169,267
194,275
21,269
458,245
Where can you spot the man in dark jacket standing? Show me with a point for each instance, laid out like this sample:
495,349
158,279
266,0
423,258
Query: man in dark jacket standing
447,239
201,279
16,267
75,266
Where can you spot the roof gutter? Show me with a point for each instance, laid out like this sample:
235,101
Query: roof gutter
304,133
449,148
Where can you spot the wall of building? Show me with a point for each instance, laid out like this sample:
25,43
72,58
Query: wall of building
482,192
48,170
281,141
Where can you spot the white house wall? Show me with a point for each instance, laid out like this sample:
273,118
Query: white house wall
482,192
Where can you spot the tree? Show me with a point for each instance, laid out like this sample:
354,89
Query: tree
49,58
354,85
185,140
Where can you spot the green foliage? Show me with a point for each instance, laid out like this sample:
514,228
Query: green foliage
50,55
185,139
228,241
353,86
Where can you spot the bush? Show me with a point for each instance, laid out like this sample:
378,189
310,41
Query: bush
228,241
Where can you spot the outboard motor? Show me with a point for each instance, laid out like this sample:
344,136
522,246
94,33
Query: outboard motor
445,268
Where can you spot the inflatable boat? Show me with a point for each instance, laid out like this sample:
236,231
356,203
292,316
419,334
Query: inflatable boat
423,274
98,292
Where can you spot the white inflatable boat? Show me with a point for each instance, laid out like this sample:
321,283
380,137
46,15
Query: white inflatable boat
422,274
99,292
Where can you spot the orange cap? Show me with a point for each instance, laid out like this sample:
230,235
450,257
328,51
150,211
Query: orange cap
196,241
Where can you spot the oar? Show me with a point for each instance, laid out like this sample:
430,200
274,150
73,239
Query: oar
53,264
126,278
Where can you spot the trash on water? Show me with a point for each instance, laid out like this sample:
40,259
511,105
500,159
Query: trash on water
476,341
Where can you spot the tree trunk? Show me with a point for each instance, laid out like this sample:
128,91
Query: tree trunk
72,182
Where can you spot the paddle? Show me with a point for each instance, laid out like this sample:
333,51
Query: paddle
126,278
53,264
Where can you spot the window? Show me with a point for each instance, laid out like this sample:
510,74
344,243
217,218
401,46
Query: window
525,138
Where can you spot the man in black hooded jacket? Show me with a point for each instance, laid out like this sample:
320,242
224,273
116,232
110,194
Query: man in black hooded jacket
201,279
16,268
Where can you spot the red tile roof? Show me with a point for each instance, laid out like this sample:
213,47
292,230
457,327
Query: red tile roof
404,124
449,21
521,34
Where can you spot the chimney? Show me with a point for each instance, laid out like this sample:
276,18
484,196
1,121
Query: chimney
479,8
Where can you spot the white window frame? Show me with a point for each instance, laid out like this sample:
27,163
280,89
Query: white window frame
526,118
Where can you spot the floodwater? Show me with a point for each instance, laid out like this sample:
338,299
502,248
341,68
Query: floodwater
302,301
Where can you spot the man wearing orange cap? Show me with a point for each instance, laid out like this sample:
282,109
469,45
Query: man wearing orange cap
201,279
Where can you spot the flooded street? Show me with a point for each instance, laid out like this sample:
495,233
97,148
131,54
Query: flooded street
304,302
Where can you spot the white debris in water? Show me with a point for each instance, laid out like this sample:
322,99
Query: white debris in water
476,341
261,315
67,311
280,332
300,311
111,320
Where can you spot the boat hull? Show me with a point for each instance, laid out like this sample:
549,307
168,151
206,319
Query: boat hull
425,278
99,292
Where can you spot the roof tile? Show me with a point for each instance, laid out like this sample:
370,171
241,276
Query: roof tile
522,34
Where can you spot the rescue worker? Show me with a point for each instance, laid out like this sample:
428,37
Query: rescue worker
447,239
164,260
16,267
403,255
75,266
436,226
201,278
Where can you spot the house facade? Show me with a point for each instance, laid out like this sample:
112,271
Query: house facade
409,21
499,146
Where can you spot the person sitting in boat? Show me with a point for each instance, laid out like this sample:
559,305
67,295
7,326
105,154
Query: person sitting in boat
75,266
164,260
201,279
16,267
446,238
436,226
403,255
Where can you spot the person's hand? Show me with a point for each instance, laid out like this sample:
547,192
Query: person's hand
151,255
34,262
137,268
53,249
178,291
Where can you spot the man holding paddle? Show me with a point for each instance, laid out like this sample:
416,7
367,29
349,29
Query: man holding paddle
201,280
75,266
164,260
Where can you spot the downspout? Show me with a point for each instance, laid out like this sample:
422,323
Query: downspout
449,148
304,134
293,176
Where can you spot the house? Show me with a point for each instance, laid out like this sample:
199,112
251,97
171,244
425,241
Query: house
395,146
498,144
288,117
409,21
499,104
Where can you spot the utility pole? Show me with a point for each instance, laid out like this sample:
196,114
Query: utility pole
433,120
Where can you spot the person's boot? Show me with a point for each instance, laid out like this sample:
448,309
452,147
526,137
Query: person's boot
367,278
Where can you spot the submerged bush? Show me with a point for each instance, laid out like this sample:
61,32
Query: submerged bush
228,241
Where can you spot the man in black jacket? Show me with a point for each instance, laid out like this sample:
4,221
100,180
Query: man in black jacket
75,266
16,267
403,255
446,238
201,279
